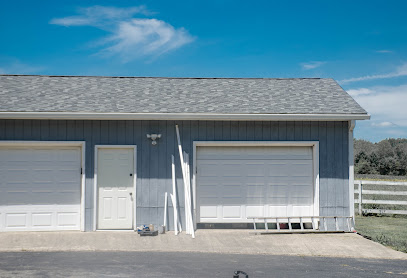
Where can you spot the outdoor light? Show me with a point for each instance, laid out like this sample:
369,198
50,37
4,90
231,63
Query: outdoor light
153,138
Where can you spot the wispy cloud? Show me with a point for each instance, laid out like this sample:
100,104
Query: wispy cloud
130,37
13,66
400,71
384,124
386,104
384,51
312,65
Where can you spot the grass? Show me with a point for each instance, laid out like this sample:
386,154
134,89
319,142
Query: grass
387,230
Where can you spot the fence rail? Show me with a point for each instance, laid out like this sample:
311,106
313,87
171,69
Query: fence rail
360,200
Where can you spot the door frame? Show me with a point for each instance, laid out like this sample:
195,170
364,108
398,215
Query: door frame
315,160
95,182
56,144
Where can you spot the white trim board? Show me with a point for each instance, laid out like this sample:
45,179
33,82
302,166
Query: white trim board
55,144
95,195
181,116
315,158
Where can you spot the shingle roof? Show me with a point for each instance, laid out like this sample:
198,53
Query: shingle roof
174,95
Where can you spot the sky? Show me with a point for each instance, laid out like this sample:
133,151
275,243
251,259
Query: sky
361,44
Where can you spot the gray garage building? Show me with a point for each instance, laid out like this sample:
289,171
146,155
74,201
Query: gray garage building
74,152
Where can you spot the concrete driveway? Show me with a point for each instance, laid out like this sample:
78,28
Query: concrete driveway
206,241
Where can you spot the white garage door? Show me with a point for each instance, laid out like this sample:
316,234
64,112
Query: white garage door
40,189
234,183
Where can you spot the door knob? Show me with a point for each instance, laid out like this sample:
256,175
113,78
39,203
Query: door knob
131,193
131,175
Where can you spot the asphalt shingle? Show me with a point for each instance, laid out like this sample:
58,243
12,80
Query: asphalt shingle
174,95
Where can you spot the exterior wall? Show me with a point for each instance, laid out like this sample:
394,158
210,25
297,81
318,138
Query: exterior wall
154,162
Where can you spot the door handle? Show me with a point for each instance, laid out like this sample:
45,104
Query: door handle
131,195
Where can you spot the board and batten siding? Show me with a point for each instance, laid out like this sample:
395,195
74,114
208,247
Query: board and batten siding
154,162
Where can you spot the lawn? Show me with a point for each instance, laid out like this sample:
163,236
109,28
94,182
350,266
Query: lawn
389,231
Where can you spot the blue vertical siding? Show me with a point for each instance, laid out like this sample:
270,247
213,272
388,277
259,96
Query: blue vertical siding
154,162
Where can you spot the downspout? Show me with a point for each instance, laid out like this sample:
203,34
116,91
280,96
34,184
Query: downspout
351,170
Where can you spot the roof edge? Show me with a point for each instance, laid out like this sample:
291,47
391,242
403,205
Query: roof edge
180,116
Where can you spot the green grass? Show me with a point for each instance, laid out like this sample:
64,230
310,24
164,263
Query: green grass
389,231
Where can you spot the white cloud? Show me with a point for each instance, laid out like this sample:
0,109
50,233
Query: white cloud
400,71
386,104
312,65
384,51
383,124
13,66
358,92
129,37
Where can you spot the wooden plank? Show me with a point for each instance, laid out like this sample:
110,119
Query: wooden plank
137,139
266,131
385,211
306,130
62,130
242,131
258,131
290,131
154,199
380,192
112,133
282,131
27,132
121,132
381,182
339,179
298,131
3,129
9,129
226,134
323,166
129,133
79,132
384,202
70,130
250,131
234,131
218,130
44,130
53,130
18,129
274,131
331,195
210,131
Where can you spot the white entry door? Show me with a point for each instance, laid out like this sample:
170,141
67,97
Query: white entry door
234,183
115,176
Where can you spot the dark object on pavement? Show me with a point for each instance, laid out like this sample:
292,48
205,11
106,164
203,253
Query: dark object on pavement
238,272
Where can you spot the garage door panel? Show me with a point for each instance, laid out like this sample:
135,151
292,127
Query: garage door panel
232,212
40,184
266,181
254,211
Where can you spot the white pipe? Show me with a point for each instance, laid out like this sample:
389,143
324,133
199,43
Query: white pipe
188,213
173,196
165,210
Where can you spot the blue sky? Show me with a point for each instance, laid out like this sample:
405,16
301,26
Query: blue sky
362,45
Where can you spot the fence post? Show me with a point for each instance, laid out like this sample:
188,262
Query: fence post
360,197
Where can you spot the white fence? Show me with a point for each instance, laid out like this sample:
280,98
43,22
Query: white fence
361,200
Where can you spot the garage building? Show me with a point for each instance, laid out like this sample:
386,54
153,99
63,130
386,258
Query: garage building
74,151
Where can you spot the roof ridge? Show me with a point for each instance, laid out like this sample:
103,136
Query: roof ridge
163,77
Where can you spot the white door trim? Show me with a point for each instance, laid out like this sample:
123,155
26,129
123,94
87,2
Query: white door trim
95,195
315,159
55,144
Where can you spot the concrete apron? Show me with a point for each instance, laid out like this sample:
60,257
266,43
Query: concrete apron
208,241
